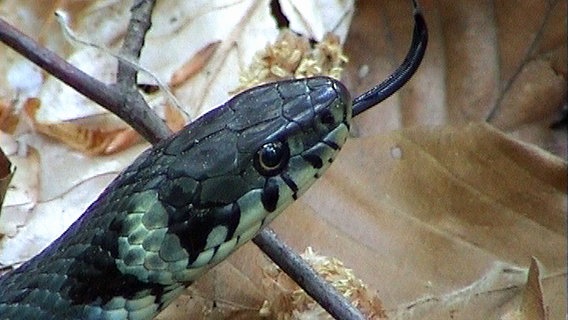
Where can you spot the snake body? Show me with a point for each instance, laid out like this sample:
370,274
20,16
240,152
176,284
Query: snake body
184,205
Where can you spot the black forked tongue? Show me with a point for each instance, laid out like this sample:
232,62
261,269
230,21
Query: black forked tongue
403,73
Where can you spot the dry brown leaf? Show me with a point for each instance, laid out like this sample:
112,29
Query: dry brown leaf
120,140
193,65
174,118
536,93
440,211
8,118
89,141
532,306
502,61
6,174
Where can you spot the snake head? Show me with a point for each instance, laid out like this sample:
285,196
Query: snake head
230,172
287,131
191,200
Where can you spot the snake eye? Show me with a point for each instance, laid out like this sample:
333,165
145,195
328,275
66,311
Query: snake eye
271,158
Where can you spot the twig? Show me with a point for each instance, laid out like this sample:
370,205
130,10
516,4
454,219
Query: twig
127,106
107,96
305,276
138,26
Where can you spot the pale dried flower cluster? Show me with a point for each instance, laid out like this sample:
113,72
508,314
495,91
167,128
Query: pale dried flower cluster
292,56
286,300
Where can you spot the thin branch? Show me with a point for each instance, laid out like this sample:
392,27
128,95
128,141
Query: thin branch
138,26
305,276
107,96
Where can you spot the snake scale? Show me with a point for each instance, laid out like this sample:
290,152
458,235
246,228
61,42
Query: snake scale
191,200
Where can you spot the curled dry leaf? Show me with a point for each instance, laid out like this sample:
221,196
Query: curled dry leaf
120,141
6,174
535,94
90,141
193,65
505,61
8,118
21,196
532,306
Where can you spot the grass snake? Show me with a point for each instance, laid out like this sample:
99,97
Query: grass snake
189,201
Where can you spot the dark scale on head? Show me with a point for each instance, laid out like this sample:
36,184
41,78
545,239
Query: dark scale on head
314,160
179,192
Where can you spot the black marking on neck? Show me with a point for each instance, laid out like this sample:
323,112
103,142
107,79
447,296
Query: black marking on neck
93,278
234,216
270,195
193,226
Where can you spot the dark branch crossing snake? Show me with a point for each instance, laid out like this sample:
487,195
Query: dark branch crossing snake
189,201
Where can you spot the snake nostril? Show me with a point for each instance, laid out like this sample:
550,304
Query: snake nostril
326,117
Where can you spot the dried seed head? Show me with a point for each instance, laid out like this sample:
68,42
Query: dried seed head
292,56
